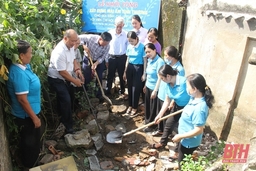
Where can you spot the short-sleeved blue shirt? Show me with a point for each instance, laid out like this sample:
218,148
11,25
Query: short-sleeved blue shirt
161,91
135,53
152,71
178,92
194,114
22,80
179,68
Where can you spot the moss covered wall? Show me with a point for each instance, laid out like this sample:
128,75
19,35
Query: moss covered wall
170,26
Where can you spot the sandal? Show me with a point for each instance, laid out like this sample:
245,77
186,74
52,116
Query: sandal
129,110
157,146
157,133
124,96
133,112
174,155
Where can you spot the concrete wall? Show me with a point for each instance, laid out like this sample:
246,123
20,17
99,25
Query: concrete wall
219,40
170,24
5,161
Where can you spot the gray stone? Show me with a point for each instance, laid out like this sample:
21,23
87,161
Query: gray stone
80,134
50,142
104,115
91,152
84,141
166,163
46,159
94,163
92,127
98,144
217,166
97,137
101,107
121,127
95,101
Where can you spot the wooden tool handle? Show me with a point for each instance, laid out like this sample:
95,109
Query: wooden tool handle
152,123
99,82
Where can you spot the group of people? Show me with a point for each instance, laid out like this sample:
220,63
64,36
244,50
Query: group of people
136,58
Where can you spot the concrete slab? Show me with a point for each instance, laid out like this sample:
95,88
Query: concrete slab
67,163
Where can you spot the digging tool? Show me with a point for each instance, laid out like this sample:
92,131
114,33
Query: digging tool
93,110
96,75
115,137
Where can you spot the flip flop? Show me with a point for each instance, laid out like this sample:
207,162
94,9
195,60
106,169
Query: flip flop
129,110
157,133
174,156
157,146
133,113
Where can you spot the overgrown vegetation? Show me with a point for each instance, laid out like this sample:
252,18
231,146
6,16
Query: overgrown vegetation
194,163
41,23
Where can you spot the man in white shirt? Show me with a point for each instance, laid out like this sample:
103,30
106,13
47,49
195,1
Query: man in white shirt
62,64
117,55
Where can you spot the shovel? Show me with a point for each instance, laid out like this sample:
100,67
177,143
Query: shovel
101,89
115,137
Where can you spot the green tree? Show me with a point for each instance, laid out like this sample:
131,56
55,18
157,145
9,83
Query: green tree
39,22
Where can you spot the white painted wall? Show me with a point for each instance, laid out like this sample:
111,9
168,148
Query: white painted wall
215,47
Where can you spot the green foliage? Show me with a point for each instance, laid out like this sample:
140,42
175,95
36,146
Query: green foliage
80,95
41,23
200,164
188,164
216,150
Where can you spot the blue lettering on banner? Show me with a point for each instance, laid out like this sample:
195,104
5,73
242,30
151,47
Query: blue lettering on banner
99,15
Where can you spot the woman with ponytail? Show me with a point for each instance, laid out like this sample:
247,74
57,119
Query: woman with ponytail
194,116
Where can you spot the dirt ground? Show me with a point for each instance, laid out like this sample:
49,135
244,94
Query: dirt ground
134,146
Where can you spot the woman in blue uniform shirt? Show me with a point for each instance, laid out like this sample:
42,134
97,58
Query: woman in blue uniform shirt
134,69
176,98
153,65
194,116
24,88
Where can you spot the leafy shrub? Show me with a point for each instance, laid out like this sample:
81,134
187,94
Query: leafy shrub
41,23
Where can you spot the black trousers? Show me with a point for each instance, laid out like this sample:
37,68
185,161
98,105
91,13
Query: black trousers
159,105
182,151
116,64
133,75
150,107
64,104
171,124
29,144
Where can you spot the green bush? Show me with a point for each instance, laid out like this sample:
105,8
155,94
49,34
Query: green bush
41,23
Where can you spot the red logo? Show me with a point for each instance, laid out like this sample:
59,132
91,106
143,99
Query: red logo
235,153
